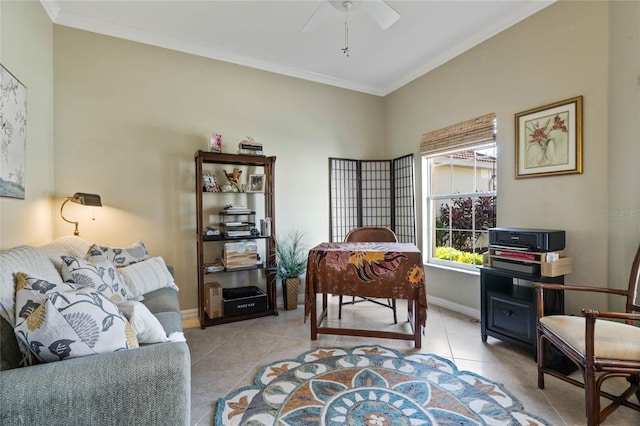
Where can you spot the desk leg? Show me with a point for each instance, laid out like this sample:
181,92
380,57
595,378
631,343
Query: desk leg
314,318
417,328
415,319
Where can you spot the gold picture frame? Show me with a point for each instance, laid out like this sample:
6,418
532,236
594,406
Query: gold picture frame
549,139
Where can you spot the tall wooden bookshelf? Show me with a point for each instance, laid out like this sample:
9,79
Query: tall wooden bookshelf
209,208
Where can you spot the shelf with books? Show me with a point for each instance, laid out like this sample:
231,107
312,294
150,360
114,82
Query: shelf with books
231,252
223,238
225,270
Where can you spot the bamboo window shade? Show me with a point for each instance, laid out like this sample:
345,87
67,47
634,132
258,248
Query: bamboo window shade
470,134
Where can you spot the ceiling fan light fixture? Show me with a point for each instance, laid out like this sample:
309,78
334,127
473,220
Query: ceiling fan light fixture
378,10
347,8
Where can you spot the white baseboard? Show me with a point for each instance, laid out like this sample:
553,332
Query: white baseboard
189,313
193,313
470,312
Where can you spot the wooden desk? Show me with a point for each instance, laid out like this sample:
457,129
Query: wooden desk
380,270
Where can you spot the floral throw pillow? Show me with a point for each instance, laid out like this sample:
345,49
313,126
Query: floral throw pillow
63,321
136,252
101,275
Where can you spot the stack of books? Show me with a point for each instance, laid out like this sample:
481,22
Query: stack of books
239,233
250,147
230,210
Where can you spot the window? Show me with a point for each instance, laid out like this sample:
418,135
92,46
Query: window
460,185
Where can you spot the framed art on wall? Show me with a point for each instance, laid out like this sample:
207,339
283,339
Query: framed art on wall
13,143
549,139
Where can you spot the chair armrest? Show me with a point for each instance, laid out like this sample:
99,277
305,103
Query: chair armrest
627,317
150,385
539,287
549,286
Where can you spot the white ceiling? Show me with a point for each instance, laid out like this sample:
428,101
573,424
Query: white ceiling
268,34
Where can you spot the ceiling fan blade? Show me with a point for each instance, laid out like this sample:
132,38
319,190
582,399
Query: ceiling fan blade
381,12
318,17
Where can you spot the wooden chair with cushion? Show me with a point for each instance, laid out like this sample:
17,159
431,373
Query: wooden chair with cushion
602,344
373,234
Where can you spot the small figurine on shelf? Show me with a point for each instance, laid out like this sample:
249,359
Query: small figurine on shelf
233,178
215,142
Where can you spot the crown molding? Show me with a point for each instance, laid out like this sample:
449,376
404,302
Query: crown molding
52,8
60,17
468,44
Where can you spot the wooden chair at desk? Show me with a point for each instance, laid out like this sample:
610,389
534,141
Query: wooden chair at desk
371,234
601,348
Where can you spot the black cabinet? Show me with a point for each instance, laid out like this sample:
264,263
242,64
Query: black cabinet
508,305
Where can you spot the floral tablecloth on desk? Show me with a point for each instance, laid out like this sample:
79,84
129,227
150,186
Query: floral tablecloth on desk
380,270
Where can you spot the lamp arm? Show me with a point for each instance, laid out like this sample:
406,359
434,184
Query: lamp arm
76,232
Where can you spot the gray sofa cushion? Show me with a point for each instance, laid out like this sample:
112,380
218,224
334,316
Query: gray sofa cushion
171,321
162,300
163,303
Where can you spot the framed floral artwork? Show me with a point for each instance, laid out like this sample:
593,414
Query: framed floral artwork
549,139
13,140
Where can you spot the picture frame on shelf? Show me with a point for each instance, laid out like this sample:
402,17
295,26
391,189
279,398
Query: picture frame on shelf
256,183
549,139
215,143
210,184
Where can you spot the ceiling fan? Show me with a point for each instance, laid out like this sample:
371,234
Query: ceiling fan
378,10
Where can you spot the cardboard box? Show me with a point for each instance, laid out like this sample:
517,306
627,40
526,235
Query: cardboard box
213,300
244,300
243,254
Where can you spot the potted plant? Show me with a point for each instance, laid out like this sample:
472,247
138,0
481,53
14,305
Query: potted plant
291,263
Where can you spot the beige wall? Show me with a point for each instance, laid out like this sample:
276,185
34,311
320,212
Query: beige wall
129,118
559,53
623,147
26,40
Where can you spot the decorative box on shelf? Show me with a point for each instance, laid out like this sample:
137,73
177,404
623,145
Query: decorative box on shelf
243,300
213,300
250,147
241,254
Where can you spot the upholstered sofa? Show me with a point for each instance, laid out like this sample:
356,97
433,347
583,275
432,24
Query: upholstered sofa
148,385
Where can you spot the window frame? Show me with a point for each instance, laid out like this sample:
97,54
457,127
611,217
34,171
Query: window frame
429,205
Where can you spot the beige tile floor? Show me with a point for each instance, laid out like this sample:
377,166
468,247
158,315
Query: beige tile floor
226,357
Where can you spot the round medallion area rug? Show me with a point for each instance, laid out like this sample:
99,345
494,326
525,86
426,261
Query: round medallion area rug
370,385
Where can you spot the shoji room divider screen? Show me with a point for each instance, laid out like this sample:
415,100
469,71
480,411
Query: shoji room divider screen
372,193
